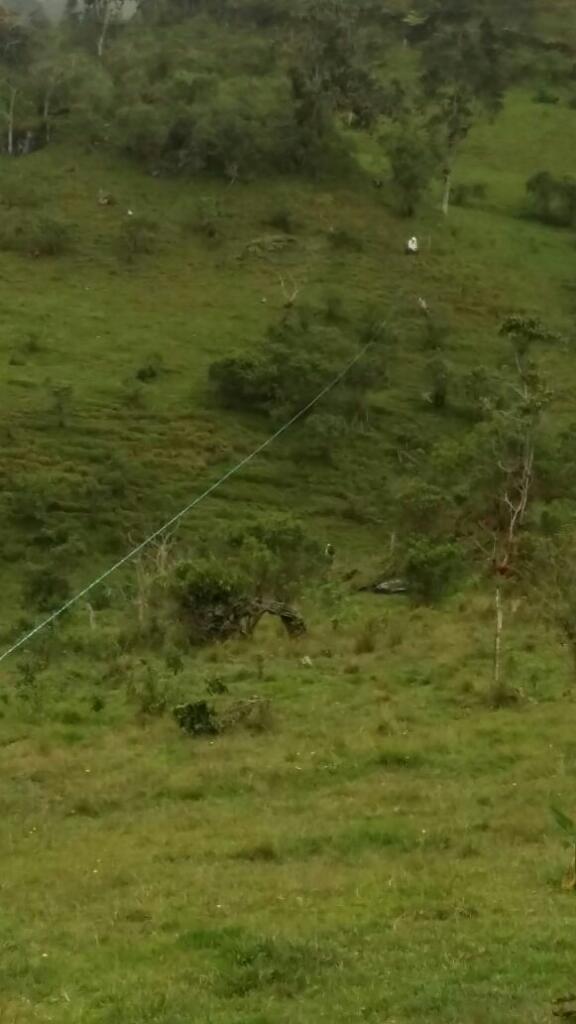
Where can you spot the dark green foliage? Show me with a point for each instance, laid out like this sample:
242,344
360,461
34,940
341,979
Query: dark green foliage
524,331
212,600
552,199
433,567
546,96
197,719
427,508
231,127
412,164
243,574
51,236
277,555
463,73
45,589
299,357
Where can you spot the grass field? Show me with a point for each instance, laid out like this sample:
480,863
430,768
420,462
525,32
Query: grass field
382,847
382,850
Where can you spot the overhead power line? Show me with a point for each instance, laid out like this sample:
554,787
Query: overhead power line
135,551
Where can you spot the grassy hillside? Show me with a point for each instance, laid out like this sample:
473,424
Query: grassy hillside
94,318
378,844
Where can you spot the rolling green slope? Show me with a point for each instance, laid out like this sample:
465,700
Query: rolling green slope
378,846
91,320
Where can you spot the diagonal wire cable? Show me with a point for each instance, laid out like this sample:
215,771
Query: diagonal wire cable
134,552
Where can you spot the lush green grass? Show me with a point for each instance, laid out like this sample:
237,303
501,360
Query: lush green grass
383,850
92,321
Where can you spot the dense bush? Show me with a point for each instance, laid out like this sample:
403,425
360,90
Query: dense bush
221,592
551,199
230,127
299,356
412,164
433,567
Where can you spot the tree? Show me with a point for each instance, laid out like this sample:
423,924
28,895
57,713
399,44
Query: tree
516,419
462,73
328,75
64,83
432,567
17,44
412,163
332,54
98,17
553,200
299,356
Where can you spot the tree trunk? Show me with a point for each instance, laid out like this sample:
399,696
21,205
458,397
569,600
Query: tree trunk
11,111
46,116
447,193
104,32
499,628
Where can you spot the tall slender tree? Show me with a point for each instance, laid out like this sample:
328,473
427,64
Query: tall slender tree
461,73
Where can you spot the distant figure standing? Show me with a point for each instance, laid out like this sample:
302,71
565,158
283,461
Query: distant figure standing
329,552
412,246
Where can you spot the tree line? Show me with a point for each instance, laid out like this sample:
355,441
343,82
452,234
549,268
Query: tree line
238,88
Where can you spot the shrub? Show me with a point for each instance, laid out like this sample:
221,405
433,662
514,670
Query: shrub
45,589
552,200
276,554
432,567
297,359
545,96
412,165
138,236
242,575
51,237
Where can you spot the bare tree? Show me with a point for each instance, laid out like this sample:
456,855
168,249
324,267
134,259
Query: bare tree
516,418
